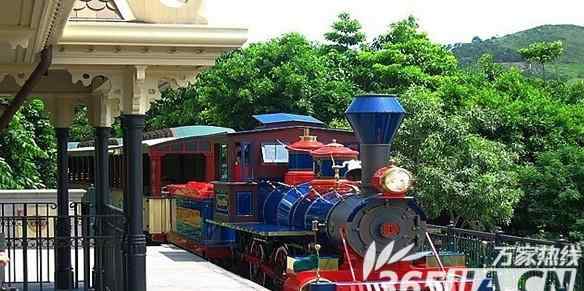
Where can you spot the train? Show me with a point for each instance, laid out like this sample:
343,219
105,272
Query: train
339,217
199,154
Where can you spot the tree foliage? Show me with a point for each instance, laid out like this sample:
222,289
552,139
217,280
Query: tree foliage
556,192
346,33
81,130
286,74
404,56
176,108
545,133
542,53
27,150
460,173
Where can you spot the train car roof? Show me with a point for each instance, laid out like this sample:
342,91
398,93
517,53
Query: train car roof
225,136
190,132
154,138
262,129
186,131
278,119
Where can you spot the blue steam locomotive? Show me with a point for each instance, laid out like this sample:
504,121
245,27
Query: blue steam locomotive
319,221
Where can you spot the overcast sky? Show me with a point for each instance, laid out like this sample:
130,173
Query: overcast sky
445,21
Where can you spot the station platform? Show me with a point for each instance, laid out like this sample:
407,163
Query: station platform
173,269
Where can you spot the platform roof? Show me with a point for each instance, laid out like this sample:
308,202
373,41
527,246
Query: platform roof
114,56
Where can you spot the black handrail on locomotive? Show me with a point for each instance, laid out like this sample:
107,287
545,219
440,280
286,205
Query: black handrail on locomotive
337,169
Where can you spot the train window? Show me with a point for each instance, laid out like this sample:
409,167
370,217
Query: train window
221,162
182,168
274,153
245,159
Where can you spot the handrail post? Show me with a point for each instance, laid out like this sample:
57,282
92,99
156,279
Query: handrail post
498,241
3,263
498,236
86,237
561,242
450,238
25,248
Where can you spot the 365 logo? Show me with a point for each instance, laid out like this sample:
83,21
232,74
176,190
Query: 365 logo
387,256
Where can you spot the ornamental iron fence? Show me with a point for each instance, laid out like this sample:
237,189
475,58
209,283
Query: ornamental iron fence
481,249
28,240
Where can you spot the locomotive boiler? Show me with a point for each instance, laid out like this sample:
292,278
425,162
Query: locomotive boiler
378,210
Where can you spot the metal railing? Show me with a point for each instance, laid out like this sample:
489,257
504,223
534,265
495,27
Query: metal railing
113,265
480,248
29,231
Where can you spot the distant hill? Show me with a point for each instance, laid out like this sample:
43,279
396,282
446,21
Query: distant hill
504,49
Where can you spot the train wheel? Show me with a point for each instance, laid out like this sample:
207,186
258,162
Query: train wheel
306,286
255,273
280,258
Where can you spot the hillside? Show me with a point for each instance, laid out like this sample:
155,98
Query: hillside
504,49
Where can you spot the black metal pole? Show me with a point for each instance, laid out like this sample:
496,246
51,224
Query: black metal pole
63,270
133,126
125,137
102,190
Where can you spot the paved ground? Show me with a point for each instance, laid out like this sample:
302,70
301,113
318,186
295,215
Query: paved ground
168,269
173,269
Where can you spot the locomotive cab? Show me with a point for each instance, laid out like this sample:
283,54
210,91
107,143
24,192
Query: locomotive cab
330,168
300,162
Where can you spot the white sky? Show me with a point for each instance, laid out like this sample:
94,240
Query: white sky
445,21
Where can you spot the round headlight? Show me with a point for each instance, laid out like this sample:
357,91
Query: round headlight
396,180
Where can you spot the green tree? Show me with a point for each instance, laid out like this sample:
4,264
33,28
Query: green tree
340,54
346,33
44,136
80,128
459,173
489,68
286,74
544,128
476,39
401,31
27,150
556,192
542,53
403,57
176,107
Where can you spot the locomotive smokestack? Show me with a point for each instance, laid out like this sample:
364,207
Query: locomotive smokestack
375,120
